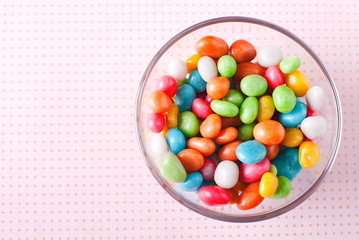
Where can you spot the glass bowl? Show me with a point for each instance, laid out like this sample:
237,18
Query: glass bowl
259,33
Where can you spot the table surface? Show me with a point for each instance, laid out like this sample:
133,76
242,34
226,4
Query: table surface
70,165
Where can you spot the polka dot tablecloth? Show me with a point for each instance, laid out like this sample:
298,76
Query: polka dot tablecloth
70,165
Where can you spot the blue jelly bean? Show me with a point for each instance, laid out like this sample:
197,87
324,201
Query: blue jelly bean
176,140
196,81
192,182
287,163
250,152
294,117
206,183
184,97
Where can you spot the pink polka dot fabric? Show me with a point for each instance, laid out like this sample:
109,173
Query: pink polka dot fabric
70,165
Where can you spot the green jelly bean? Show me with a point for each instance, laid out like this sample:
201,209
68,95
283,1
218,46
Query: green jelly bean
284,99
180,83
289,64
224,108
227,66
188,124
249,110
245,132
171,167
234,97
273,169
284,188
253,85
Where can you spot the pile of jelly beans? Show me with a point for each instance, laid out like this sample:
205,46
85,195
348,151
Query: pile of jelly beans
235,125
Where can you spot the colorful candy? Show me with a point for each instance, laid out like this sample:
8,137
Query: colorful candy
217,87
211,46
191,159
177,69
235,97
203,145
192,182
309,154
253,85
315,98
170,167
287,163
268,184
226,174
252,172
249,110
294,117
184,97
201,108
214,195
211,126
227,66
224,108
314,127
250,197
283,189
289,64
242,51
284,99
226,135
269,132
269,56
297,82
208,169
250,152
188,124
176,140
207,68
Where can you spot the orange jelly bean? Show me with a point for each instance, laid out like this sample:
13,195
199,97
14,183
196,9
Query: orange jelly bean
218,87
191,159
211,126
172,116
250,197
192,61
297,82
226,135
228,151
269,132
240,185
212,46
159,102
248,68
272,151
203,145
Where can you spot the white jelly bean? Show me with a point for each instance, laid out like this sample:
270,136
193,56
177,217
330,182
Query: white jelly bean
226,174
315,98
269,56
177,69
207,68
158,144
314,127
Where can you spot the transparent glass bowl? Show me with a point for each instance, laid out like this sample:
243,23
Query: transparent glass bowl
259,33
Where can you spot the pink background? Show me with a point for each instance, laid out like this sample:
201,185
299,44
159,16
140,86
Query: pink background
70,166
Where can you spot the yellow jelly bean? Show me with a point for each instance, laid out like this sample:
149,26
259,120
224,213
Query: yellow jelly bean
265,108
309,154
293,137
172,116
268,184
165,128
297,82
192,61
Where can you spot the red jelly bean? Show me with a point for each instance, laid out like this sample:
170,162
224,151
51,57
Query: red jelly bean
168,85
155,122
242,51
253,172
201,108
214,195
310,112
248,68
250,197
208,169
274,77
272,151
211,46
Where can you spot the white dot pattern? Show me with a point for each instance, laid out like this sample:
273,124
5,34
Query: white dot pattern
70,165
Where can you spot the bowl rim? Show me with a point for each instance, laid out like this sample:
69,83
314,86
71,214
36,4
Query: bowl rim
203,211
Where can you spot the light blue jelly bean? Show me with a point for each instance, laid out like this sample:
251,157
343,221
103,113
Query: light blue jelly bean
294,117
184,97
176,140
206,183
250,152
192,182
196,81
287,163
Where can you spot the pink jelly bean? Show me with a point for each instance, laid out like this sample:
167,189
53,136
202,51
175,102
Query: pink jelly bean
168,85
208,99
274,77
208,169
252,172
201,108
201,95
310,112
155,122
214,195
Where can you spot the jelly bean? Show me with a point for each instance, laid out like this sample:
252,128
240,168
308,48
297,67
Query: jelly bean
180,83
214,195
201,108
226,174
184,97
274,77
176,140
245,132
207,68
155,122
294,117
253,85
203,145
205,183
310,112
272,151
234,195
297,82
242,51
265,108
170,167
315,98
250,197
196,81
287,163
309,154
249,110
289,64
208,169
227,66
165,129
231,122
228,151
240,185
269,132
273,169
158,144
268,185
159,102
284,99
211,46
217,87
293,137
211,126
269,56
191,159
177,69
188,124
192,182
283,189
172,116
168,85
235,97
224,108
226,135
253,172
314,127
191,62
247,68
250,152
